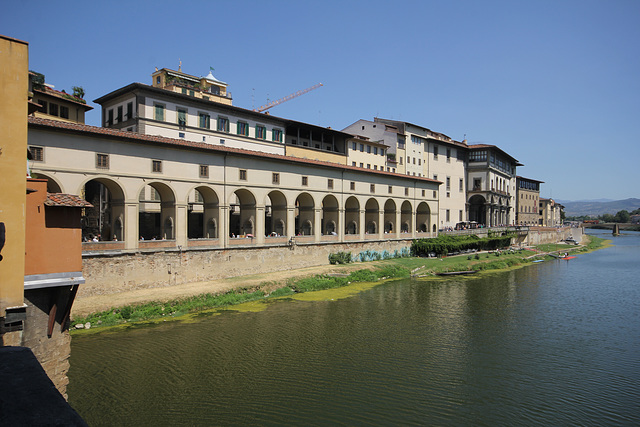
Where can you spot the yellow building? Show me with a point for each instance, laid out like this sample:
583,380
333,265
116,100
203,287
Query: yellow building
14,95
54,104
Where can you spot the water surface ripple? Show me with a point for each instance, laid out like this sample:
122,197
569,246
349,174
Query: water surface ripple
556,343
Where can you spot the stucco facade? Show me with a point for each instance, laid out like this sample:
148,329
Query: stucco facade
527,201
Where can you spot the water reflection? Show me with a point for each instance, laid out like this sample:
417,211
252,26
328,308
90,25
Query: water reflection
553,343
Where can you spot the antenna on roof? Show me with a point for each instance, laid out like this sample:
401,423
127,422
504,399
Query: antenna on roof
179,65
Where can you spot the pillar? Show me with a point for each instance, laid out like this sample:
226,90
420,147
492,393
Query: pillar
131,219
180,224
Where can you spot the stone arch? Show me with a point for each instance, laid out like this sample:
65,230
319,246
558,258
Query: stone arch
371,212
53,185
275,214
304,214
107,198
389,216
203,213
406,217
156,211
423,214
242,213
352,215
330,218
477,211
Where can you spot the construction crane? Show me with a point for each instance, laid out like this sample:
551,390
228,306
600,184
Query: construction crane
286,98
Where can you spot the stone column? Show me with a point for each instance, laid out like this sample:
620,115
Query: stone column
361,223
414,218
398,225
223,226
381,223
291,221
180,225
131,218
341,224
317,224
260,225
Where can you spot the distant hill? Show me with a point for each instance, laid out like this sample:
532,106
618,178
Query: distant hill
599,208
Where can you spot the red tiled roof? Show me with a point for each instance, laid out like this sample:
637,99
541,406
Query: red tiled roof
115,133
69,200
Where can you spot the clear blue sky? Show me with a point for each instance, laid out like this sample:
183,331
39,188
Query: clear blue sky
556,84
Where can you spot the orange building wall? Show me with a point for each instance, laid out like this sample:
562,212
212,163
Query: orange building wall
53,234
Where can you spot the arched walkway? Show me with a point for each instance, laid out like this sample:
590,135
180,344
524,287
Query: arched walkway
53,186
406,217
156,212
390,217
371,213
304,215
105,220
203,209
242,214
423,214
477,209
275,214
352,216
330,221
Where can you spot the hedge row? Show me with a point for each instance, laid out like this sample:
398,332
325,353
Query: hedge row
444,245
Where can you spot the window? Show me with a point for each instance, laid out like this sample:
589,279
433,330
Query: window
222,141
478,156
353,163
476,184
448,155
352,186
156,166
406,191
423,193
129,110
64,112
414,160
37,153
461,185
184,90
102,161
275,178
448,215
43,106
401,159
53,109
435,152
205,120
243,174
419,162
460,216
375,167
361,164
261,132
276,135
158,80
119,116
368,149
191,93
204,171
223,124
182,117
180,134
435,176
362,147
382,151
368,165
372,188
448,183
375,150
435,194
391,189
243,128
159,112
110,117
354,146
305,180
330,184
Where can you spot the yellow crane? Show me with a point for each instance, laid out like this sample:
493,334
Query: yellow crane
287,98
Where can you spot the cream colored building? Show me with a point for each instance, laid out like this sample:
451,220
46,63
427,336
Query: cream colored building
422,152
366,154
550,213
171,193
491,190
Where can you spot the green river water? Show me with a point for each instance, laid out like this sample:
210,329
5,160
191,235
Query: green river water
554,343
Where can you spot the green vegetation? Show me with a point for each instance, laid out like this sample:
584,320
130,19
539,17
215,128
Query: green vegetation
444,245
340,258
378,270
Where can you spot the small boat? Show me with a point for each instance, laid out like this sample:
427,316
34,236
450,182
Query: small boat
456,273
538,260
567,257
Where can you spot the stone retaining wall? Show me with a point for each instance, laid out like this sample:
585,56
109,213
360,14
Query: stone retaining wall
106,273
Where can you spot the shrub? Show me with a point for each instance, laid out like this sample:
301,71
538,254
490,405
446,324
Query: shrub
340,258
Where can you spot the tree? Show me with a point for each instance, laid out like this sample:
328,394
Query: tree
622,216
608,218
78,91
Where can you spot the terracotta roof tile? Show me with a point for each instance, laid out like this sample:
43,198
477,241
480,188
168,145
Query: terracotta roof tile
66,96
69,200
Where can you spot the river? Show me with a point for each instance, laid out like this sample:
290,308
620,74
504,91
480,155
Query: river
554,343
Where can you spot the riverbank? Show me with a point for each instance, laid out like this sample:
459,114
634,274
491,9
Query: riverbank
172,302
